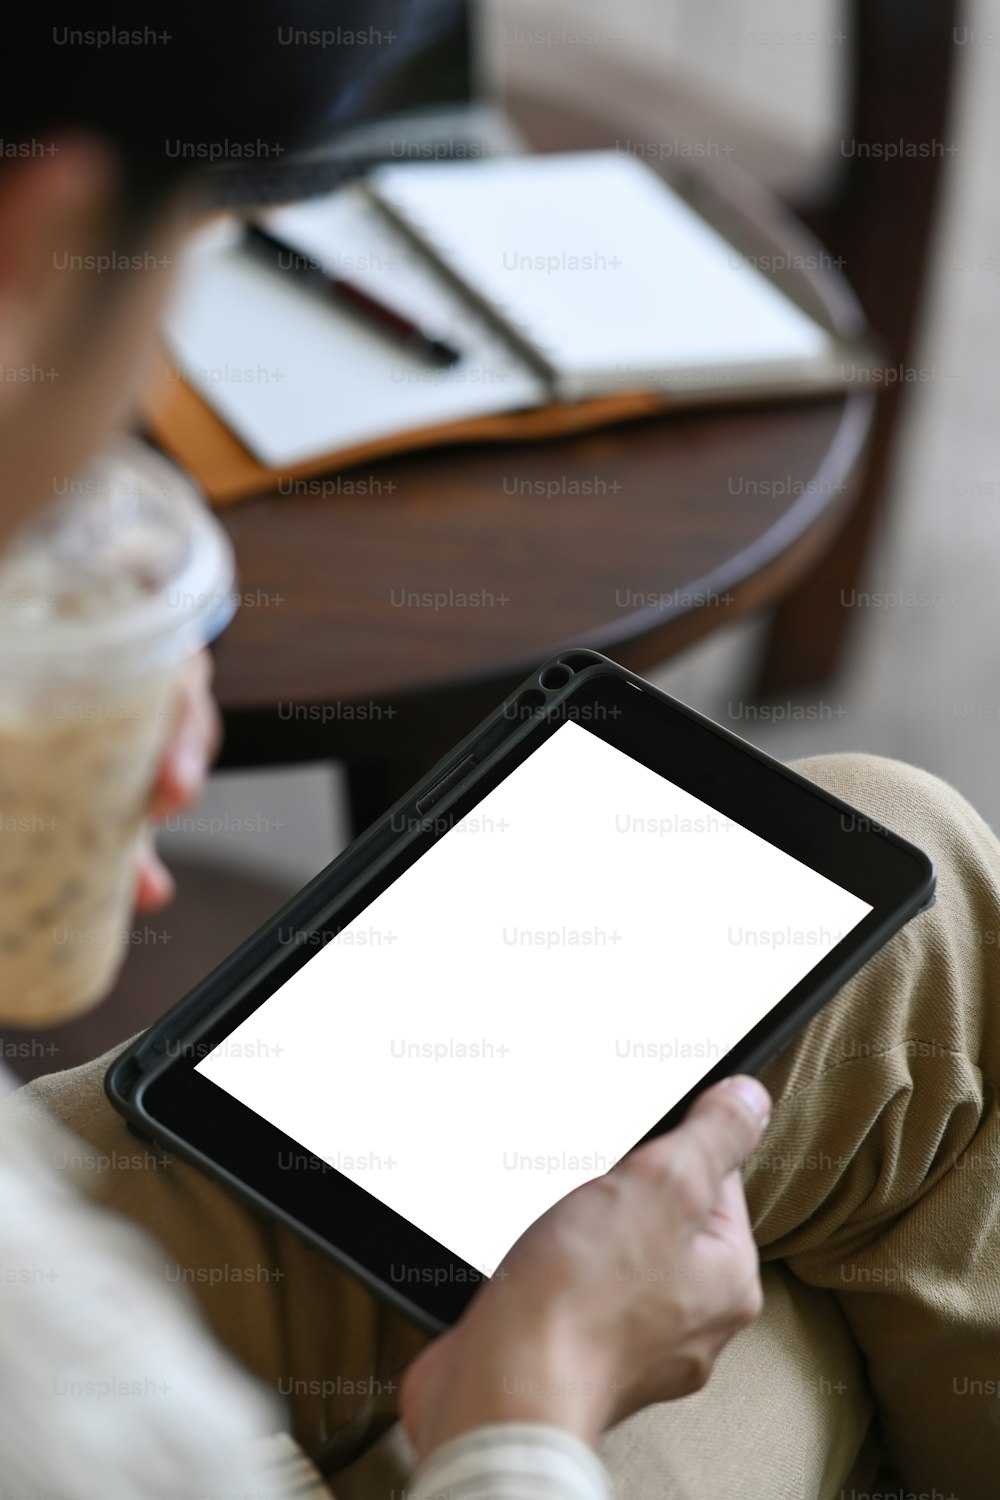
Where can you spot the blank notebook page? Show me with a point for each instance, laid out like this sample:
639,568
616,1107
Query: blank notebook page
605,270
297,377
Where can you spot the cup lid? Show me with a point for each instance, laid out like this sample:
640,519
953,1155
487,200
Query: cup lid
127,570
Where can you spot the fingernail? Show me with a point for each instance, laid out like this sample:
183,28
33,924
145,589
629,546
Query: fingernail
754,1094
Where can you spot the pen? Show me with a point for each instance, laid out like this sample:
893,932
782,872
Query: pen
285,257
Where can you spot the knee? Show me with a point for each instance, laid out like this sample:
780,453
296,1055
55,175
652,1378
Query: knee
859,777
902,798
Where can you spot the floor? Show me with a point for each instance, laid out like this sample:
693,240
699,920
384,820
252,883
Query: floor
922,682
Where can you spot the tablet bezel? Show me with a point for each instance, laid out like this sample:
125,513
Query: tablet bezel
402,1265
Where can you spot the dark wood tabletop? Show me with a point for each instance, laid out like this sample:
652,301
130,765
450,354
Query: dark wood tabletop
386,612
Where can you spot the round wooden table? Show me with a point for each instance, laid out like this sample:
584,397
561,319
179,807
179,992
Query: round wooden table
383,618
637,541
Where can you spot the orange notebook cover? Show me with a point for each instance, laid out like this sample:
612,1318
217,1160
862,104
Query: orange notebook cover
187,428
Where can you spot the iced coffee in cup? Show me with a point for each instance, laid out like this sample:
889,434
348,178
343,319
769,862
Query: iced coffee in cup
102,600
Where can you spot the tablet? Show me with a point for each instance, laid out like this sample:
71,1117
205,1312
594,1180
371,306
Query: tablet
597,905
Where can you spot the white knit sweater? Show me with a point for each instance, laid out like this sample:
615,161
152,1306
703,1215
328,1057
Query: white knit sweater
111,1387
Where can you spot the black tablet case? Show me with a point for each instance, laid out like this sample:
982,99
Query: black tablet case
318,903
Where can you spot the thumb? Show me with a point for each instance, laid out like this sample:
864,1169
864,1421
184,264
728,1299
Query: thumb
726,1122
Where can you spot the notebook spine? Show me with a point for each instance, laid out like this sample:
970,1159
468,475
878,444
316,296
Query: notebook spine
515,335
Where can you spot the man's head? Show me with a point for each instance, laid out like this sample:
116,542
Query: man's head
105,126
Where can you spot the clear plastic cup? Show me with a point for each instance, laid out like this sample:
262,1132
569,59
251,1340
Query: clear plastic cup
103,598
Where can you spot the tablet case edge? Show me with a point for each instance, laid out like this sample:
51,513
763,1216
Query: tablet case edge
128,1074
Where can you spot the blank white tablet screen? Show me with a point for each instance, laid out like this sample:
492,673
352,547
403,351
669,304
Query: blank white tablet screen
528,999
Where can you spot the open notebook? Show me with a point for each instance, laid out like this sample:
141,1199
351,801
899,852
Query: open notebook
577,285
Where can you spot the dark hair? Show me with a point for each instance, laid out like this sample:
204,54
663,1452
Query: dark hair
213,84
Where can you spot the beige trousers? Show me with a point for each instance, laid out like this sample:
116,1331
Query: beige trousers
875,1198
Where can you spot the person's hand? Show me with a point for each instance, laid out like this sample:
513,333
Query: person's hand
621,1295
181,776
